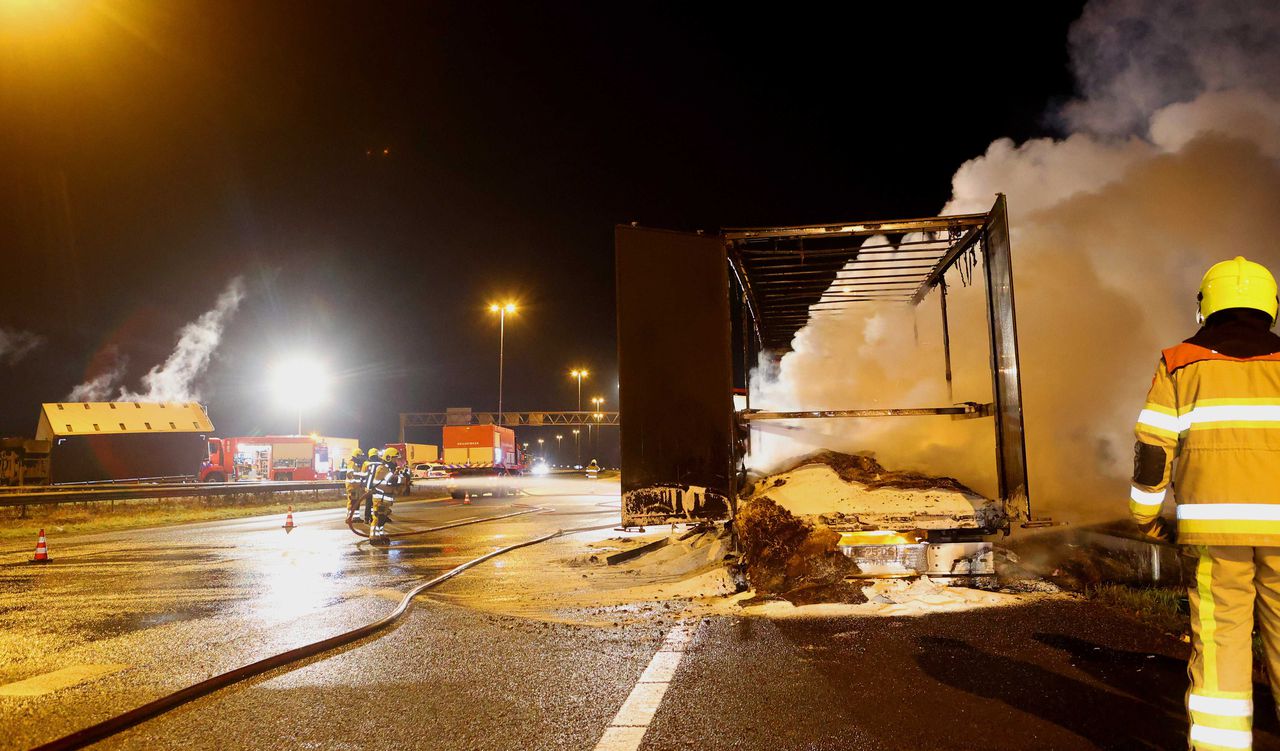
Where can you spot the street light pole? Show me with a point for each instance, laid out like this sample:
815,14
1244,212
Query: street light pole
558,439
596,401
579,373
502,311
577,447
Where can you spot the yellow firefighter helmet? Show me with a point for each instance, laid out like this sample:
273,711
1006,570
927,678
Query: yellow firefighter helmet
391,453
373,453
1238,283
359,452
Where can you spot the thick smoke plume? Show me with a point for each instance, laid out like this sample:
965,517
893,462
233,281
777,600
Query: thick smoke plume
16,344
175,379
1171,164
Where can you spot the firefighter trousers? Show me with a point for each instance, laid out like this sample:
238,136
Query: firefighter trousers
354,494
1232,583
381,509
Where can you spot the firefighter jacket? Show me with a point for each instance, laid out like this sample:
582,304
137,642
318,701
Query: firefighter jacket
373,473
385,480
1210,430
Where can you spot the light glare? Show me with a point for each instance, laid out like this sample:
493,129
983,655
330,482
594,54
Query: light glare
300,382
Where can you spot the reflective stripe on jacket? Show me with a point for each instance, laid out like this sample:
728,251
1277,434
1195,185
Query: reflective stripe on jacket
1219,417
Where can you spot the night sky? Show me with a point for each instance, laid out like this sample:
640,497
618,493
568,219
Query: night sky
151,151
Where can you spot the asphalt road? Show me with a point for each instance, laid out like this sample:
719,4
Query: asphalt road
156,610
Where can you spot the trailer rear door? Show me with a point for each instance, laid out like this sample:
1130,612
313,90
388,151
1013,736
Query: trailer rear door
675,376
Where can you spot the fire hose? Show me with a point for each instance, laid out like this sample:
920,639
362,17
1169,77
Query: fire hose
119,723
351,524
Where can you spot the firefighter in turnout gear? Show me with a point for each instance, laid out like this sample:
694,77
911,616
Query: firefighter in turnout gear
1210,430
384,481
367,472
353,481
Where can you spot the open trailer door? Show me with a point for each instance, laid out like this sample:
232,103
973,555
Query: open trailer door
674,376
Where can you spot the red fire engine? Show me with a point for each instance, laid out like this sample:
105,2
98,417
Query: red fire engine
274,458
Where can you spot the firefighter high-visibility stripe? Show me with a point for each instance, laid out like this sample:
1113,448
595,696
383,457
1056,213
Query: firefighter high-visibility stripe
1231,413
1229,532
1221,723
1208,627
1235,739
1265,416
1219,706
1146,498
1159,422
1229,511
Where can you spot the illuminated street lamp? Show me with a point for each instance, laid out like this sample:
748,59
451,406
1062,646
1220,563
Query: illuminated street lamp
576,446
502,309
579,373
540,450
558,439
299,383
596,401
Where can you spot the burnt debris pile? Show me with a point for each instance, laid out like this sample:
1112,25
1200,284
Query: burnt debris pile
866,471
792,558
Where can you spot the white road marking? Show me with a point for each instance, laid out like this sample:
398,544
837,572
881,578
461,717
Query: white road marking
628,727
58,680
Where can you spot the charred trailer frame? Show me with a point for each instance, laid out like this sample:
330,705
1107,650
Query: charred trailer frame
784,278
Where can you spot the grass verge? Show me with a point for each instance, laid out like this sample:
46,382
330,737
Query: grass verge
107,516
1162,607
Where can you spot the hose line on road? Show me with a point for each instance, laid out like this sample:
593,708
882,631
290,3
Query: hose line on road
449,526
398,535
119,723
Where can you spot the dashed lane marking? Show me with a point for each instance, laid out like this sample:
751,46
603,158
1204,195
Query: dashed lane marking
627,730
58,680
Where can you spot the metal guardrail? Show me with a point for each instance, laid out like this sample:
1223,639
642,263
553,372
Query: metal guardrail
47,494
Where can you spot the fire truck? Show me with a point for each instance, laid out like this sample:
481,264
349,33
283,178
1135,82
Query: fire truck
274,458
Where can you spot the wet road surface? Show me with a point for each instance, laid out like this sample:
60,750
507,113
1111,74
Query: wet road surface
161,609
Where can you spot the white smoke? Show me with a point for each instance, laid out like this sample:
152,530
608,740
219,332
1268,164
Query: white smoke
101,387
16,344
175,379
1171,167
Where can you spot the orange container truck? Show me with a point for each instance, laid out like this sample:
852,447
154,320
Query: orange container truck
480,456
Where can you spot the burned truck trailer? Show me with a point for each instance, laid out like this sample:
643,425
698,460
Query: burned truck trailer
97,441
683,443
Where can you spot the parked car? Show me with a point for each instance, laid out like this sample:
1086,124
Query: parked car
427,471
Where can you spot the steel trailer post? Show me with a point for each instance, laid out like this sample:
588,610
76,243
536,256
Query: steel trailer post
1011,449
946,338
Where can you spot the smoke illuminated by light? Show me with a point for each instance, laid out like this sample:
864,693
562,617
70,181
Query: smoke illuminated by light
1168,169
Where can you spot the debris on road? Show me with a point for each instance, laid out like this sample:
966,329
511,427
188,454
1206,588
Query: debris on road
793,558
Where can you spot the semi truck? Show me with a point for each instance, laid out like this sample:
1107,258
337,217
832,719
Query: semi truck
417,453
482,459
274,458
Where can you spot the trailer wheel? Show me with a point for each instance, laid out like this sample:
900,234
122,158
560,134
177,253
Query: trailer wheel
215,477
285,477
456,494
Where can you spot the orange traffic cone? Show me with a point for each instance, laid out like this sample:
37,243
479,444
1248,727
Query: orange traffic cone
466,498
42,552
288,521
